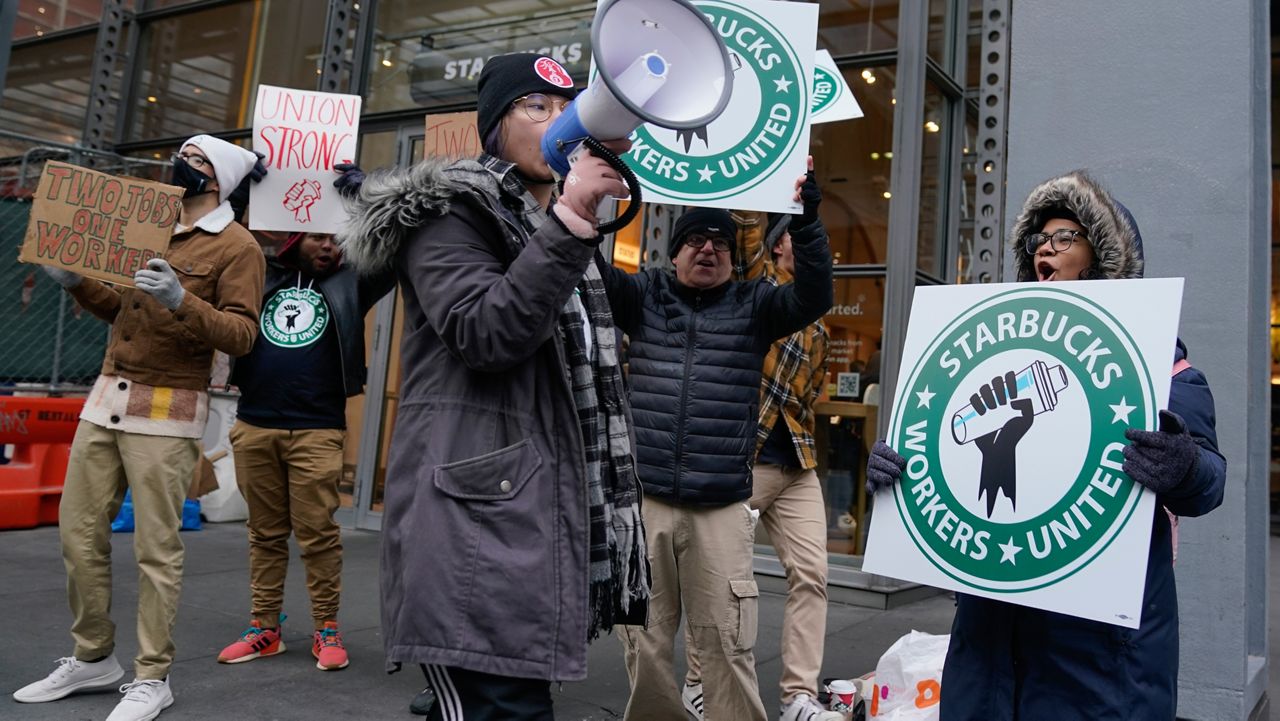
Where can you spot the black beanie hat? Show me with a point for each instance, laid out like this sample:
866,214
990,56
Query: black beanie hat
703,220
507,77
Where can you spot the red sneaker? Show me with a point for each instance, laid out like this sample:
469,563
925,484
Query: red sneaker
330,654
256,642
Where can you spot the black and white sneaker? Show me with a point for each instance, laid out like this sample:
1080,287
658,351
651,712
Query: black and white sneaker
691,696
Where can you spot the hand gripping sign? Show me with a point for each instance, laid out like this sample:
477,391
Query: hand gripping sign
1010,409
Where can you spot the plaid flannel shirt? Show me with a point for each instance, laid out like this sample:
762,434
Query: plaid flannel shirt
796,367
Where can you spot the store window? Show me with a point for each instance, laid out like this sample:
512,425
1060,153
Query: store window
852,160
939,46
931,241
198,71
36,18
46,91
847,27
846,412
430,54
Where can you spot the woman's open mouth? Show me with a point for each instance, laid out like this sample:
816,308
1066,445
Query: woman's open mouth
1045,271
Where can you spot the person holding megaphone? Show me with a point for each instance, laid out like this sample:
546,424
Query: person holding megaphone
512,534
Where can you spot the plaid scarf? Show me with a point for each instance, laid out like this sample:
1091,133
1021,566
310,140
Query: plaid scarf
618,562
619,569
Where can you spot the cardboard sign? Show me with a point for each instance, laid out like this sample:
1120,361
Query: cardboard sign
304,134
832,99
99,225
756,149
1011,409
452,135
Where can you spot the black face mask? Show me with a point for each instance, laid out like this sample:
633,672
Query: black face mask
189,179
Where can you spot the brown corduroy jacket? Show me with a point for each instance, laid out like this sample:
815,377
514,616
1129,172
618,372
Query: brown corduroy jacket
222,274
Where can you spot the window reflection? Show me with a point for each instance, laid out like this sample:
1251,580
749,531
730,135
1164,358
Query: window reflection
47,89
852,160
37,17
431,54
198,71
857,26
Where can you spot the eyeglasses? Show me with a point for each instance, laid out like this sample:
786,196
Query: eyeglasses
538,106
698,240
1059,240
196,161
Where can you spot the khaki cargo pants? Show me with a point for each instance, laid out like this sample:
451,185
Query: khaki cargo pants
701,561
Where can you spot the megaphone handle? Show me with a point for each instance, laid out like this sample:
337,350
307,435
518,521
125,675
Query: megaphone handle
628,177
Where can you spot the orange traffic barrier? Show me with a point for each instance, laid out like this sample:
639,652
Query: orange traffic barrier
41,431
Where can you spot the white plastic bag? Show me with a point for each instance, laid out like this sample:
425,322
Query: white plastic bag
908,680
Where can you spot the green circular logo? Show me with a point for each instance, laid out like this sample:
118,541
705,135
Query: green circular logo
826,89
1012,423
294,317
768,85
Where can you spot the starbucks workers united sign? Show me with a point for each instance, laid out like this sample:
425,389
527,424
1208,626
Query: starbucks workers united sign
755,150
1011,408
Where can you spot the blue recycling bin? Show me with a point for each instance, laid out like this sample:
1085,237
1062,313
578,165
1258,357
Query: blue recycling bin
124,519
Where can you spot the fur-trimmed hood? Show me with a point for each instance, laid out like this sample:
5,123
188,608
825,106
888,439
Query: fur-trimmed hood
1110,228
392,203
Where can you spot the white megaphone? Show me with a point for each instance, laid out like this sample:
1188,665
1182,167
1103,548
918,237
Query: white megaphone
659,62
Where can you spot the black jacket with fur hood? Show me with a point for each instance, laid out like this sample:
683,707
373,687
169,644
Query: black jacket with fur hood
1015,663
485,532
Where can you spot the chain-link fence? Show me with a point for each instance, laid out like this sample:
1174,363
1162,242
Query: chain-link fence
48,340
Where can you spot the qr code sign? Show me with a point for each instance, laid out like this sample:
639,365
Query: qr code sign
848,384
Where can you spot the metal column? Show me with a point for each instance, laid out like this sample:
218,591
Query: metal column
993,110
97,136
334,65
904,221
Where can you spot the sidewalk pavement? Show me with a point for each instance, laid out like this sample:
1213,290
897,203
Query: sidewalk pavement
215,609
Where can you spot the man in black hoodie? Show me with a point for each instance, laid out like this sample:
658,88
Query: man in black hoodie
288,439
698,344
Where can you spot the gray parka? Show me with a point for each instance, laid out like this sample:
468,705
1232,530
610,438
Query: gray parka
485,532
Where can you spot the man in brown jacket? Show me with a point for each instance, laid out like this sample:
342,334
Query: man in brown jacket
139,426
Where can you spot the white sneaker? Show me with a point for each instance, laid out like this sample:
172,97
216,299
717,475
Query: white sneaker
691,696
71,676
805,708
143,700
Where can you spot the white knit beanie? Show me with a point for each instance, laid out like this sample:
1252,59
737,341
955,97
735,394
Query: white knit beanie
231,163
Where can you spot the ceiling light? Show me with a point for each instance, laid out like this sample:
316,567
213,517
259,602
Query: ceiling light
888,154
887,195
875,156
386,58
932,126
40,10
151,98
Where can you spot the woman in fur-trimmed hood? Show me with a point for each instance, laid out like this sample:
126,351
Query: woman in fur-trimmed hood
511,530
1008,662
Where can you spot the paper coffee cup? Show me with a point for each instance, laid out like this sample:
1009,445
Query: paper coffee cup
844,696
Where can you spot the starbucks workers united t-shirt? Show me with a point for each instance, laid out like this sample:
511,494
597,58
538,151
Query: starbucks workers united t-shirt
292,379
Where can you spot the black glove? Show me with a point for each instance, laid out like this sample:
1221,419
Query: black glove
348,184
884,467
1161,460
810,198
239,198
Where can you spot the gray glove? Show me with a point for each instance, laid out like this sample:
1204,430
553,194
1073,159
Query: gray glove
65,278
884,467
160,282
1161,460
